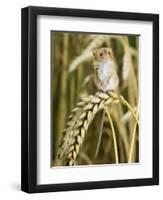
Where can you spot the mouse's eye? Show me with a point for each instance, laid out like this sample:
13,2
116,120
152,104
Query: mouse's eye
109,53
100,54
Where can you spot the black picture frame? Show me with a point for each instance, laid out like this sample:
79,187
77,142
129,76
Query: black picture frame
29,98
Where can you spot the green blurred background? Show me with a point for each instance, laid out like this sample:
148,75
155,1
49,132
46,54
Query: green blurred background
72,78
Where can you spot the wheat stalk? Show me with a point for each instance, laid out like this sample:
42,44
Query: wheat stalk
114,137
81,118
100,133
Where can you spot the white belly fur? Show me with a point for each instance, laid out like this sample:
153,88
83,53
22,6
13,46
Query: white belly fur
105,70
109,80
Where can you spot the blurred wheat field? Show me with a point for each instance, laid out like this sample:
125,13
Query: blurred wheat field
72,80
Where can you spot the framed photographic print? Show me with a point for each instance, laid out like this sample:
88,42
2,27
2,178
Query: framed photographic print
90,99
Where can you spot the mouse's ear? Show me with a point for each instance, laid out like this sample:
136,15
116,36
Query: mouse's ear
94,52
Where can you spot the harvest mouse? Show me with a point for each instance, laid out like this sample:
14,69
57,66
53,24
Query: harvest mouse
106,77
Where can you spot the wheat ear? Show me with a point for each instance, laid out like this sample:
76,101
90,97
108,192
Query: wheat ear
79,121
